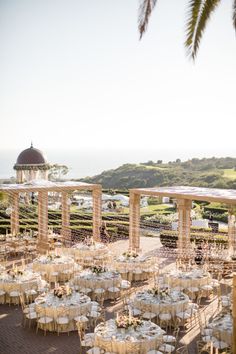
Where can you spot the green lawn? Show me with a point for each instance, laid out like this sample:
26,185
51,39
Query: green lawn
230,173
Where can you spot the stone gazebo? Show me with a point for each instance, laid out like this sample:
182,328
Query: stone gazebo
41,189
31,164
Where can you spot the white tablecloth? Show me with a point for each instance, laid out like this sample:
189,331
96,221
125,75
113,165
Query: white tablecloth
87,279
146,337
173,303
71,306
97,253
29,280
222,327
194,278
131,267
58,264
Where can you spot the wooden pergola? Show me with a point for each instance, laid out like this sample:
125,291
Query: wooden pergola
42,188
184,196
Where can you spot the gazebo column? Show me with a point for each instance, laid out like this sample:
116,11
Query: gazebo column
134,221
15,214
97,212
65,206
43,244
184,224
232,232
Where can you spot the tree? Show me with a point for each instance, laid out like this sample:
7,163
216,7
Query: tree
57,171
199,13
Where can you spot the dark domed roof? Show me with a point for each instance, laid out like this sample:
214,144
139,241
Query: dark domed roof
31,156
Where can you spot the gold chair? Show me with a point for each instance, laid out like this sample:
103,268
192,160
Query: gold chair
44,323
182,350
203,347
62,322
86,344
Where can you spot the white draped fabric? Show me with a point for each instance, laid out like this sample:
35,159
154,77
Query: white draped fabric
134,268
145,337
105,280
71,306
19,282
222,327
173,303
55,264
87,255
194,278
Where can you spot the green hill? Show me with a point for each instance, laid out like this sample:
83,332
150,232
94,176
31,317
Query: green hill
206,172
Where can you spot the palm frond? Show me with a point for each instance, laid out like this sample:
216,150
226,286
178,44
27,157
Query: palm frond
145,10
194,8
234,14
204,13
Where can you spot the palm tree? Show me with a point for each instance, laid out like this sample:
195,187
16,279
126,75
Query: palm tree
199,14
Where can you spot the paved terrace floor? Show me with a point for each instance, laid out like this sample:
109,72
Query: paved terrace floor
16,339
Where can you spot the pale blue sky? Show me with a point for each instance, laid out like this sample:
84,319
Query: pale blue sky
74,74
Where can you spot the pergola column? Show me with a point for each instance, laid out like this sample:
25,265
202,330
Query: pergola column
234,313
97,212
232,231
134,221
15,214
65,206
43,244
184,224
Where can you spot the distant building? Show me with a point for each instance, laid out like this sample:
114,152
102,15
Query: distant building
31,164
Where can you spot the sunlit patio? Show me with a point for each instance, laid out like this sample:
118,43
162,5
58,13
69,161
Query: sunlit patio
122,297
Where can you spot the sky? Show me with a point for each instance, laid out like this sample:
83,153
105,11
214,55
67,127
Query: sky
74,75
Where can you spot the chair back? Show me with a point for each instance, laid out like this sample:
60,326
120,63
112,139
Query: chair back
81,331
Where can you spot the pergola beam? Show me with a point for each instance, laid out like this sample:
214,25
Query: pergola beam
43,189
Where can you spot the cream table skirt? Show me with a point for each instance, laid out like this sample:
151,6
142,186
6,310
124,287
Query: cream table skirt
62,309
161,307
128,341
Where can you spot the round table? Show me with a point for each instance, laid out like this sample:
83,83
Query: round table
105,280
17,280
134,268
50,264
222,327
145,337
87,255
195,278
74,305
148,301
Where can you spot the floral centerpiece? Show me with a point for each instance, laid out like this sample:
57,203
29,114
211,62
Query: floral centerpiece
130,254
154,291
52,256
14,272
162,293
125,322
98,270
62,291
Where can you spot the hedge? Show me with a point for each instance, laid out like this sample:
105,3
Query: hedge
169,238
